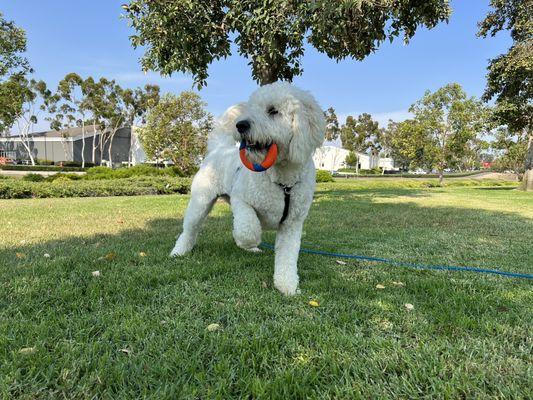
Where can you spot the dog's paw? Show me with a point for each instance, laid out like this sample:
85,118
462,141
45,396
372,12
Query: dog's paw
288,287
254,250
181,248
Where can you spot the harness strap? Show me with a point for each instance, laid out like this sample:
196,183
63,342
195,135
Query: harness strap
287,199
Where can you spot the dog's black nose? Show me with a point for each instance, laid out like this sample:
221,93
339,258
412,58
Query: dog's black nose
243,126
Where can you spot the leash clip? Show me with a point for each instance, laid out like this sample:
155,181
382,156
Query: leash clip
286,189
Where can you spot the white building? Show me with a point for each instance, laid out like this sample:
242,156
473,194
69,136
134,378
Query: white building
332,158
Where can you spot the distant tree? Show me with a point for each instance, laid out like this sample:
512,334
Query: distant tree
138,101
176,129
410,145
13,67
332,125
33,95
12,98
450,122
189,35
351,159
113,117
475,153
359,135
66,110
511,150
95,103
510,75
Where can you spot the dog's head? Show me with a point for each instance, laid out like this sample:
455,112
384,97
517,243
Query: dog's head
283,114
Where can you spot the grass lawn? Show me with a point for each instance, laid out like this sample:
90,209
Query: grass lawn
139,329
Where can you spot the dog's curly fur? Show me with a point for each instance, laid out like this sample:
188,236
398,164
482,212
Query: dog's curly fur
277,113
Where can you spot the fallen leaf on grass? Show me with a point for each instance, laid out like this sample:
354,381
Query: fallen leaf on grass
142,254
96,274
264,285
409,306
110,256
340,262
398,283
314,303
120,221
379,286
126,351
213,327
27,350
46,255
20,256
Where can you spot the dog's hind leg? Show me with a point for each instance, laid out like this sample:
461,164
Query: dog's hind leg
203,198
246,226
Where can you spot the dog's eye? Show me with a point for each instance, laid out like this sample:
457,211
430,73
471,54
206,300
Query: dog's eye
272,111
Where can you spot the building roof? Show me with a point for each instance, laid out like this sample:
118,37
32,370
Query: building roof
70,132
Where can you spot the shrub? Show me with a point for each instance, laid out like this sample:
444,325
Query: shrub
323,176
65,187
42,161
33,178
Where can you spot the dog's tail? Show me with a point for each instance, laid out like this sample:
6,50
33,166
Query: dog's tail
223,133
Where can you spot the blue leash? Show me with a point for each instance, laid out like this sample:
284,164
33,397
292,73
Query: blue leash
411,265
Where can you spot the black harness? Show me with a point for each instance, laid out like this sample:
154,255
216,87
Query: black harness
287,198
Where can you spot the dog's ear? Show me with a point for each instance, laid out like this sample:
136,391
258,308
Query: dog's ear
224,132
308,129
230,116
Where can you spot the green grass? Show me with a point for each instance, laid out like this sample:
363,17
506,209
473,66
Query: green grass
139,329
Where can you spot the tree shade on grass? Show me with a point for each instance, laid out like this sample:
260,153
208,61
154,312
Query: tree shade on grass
138,327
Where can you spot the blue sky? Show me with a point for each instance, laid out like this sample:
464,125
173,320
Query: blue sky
90,38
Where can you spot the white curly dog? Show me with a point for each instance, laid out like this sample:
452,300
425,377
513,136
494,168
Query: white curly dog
278,198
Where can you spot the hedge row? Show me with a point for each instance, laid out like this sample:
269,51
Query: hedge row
19,189
404,175
8,167
138,170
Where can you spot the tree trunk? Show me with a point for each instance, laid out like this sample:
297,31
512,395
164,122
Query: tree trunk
26,145
268,75
110,156
527,183
356,163
441,177
82,144
94,144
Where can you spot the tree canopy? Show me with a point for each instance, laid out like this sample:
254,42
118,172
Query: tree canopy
444,133
12,45
176,129
510,75
188,35
13,67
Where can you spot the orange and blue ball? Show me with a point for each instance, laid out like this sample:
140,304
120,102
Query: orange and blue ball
270,158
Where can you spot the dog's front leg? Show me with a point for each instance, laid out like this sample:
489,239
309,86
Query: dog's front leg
246,226
286,262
